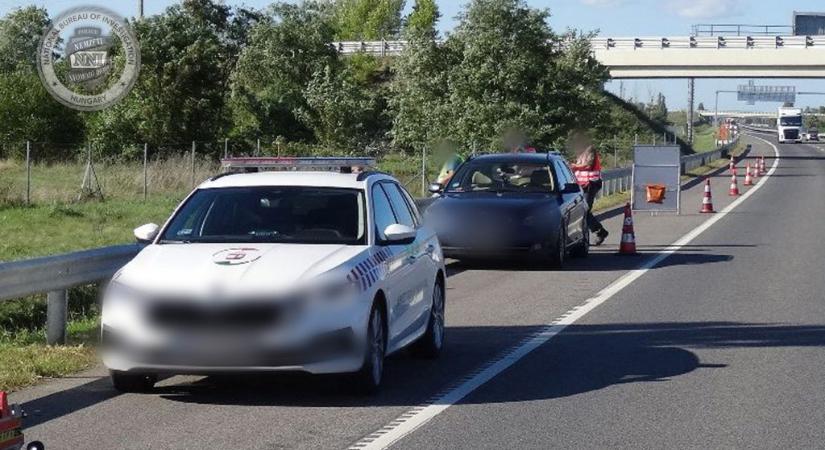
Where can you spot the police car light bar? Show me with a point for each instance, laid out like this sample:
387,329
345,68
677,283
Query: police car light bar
316,164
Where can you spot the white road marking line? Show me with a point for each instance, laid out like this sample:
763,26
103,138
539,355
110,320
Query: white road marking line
420,415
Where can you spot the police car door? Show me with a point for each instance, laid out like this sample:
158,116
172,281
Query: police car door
400,284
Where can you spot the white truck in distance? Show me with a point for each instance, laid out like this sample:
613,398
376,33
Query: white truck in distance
789,125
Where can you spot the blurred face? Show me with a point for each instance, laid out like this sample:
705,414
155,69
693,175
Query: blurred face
580,142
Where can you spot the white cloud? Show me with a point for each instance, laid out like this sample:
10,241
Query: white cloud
703,9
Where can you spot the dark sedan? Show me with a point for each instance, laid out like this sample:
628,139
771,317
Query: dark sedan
512,205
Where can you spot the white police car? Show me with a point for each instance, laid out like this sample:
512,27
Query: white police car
290,270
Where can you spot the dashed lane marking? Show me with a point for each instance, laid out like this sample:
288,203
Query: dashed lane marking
418,416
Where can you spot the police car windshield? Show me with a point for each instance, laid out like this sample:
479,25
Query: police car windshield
305,215
489,176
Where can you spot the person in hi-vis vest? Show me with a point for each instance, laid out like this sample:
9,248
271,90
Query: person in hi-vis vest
588,171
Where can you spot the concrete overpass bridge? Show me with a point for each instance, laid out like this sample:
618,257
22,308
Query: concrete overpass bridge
748,114
684,56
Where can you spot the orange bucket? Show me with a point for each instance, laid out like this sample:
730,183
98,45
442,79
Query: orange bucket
656,193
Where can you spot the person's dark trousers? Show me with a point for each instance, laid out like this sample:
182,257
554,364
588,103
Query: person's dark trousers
590,192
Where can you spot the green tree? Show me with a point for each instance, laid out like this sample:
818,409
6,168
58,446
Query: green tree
20,33
188,53
284,52
368,19
510,71
657,109
423,18
419,87
27,111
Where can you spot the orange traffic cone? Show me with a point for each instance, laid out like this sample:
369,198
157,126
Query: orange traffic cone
707,202
762,169
748,179
628,245
734,187
755,176
732,166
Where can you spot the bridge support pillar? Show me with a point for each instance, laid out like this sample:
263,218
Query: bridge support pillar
57,311
690,109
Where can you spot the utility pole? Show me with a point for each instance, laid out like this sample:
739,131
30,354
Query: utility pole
691,99
140,9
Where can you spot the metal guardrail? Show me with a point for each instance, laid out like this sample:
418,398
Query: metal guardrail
55,274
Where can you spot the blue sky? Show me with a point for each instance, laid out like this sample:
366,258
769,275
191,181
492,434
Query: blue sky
610,18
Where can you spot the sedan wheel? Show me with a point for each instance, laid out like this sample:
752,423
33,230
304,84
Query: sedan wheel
560,251
582,249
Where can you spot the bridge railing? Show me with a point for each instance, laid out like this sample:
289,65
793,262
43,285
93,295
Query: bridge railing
707,42
392,48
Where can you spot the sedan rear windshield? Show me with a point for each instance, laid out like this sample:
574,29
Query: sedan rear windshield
307,215
489,176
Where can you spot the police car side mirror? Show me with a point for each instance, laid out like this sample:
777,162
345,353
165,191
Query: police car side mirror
436,188
399,234
571,188
147,233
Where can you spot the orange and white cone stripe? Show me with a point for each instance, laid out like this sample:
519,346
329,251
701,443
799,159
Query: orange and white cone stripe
707,201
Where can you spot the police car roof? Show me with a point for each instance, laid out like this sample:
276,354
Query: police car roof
286,178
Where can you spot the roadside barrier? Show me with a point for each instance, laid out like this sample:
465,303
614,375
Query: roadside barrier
707,201
628,245
755,175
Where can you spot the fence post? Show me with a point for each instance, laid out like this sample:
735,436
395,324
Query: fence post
28,172
145,171
226,148
424,171
57,306
258,148
193,163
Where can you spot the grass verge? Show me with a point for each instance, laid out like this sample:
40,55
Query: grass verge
25,359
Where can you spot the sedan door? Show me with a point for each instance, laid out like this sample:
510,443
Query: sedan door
573,205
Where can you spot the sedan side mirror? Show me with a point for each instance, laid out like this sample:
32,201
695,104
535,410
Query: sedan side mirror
400,234
571,188
436,188
147,233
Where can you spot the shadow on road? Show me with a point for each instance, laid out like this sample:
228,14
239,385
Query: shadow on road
582,359
598,261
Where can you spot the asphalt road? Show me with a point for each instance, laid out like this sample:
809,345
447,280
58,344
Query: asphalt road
718,345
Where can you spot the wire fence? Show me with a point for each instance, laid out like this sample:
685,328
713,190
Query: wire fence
47,173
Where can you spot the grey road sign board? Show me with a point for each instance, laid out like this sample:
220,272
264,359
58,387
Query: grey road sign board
657,165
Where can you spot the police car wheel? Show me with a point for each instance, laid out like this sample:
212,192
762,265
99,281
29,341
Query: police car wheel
133,382
429,346
368,379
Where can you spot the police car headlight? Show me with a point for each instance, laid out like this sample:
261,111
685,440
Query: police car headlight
120,302
337,290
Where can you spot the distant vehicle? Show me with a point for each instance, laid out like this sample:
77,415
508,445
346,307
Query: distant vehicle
512,205
789,125
813,134
308,271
